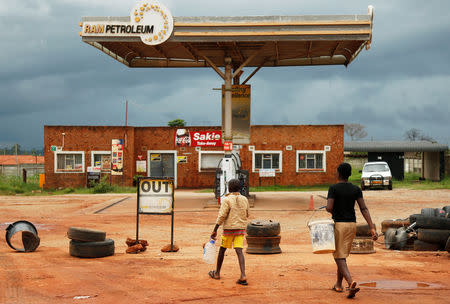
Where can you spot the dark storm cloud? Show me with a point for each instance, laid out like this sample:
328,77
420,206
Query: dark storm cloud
48,76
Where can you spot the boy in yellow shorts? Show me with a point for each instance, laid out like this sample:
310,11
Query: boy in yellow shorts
233,214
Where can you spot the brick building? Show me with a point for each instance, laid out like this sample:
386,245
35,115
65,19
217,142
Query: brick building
299,154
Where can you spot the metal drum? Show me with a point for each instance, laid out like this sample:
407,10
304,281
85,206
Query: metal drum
29,238
263,244
363,245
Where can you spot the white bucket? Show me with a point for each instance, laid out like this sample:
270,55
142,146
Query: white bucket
322,236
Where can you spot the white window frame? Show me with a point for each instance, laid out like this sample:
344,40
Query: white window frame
324,160
175,164
268,152
99,152
200,153
83,164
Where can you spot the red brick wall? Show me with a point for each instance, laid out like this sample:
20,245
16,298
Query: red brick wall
140,140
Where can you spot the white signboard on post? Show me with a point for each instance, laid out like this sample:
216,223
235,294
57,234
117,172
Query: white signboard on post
155,196
266,172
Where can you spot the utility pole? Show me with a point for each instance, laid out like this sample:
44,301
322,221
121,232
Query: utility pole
17,162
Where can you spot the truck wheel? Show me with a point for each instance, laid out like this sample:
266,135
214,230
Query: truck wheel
390,185
91,249
433,235
433,222
424,246
428,212
263,228
85,235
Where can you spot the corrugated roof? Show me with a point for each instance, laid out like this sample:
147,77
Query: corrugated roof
394,146
21,159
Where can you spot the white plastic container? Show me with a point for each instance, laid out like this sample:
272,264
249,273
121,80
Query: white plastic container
209,252
322,236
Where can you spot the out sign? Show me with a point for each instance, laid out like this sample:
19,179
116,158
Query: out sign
155,195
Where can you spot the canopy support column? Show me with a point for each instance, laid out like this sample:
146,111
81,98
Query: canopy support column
228,136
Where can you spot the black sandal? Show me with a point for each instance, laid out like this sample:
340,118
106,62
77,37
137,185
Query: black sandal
212,274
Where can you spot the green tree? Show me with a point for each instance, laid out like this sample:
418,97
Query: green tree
176,123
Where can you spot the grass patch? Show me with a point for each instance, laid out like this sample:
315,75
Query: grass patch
277,188
13,185
289,188
411,181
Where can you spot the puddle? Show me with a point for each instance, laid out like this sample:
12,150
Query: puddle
397,284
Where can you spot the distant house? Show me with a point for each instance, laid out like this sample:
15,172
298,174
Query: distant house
13,165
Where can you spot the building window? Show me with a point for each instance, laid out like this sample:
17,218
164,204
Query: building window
101,159
267,160
69,162
311,161
209,160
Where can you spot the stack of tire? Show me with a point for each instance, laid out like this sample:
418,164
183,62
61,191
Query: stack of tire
362,243
89,243
263,237
433,229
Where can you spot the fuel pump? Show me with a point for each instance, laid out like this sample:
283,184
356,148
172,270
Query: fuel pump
229,168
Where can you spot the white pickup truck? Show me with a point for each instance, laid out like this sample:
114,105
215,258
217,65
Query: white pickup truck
376,175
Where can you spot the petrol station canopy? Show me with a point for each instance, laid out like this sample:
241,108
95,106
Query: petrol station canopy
251,41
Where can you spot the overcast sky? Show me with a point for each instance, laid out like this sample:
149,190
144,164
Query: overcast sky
48,76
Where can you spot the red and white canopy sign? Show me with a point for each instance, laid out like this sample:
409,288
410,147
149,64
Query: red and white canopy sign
185,138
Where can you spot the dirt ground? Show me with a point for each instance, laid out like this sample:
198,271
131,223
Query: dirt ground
51,275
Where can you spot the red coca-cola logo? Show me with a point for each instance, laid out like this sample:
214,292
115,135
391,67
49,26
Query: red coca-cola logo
198,138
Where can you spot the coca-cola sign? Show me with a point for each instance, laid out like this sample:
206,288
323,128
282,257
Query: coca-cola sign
185,138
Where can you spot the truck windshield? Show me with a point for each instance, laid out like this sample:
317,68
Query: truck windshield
376,168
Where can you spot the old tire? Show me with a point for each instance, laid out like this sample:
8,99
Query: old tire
267,228
363,230
433,222
447,211
428,212
91,249
385,225
413,218
263,244
433,235
424,246
85,235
